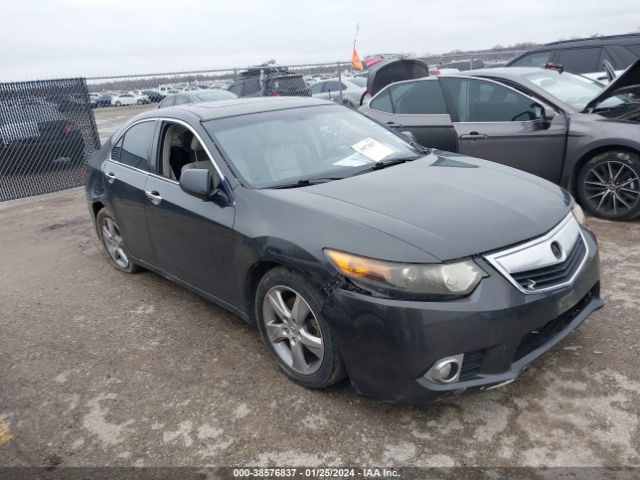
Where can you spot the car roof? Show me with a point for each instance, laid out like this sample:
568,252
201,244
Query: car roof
503,72
238,106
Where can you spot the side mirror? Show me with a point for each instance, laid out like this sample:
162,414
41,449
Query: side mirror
199,182
546,117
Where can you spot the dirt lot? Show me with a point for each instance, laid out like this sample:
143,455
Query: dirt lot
102,368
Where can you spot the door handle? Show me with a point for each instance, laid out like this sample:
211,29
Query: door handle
473,136
111,177
154,196
394,125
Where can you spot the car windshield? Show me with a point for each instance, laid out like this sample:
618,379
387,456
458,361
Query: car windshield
359,81
212,95
574,90
281,147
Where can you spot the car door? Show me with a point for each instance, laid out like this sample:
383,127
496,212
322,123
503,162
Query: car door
126,173
496,122
417,106
192,239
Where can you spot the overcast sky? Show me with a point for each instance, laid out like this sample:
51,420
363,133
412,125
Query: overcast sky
43,39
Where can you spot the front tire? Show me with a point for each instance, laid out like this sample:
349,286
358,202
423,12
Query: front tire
289,314
113,243
608,185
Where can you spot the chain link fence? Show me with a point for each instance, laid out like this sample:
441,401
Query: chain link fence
47,131
49,128
117,98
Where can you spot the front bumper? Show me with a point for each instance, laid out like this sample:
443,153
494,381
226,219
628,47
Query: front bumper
389,345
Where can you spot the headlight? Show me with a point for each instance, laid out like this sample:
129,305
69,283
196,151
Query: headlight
450,279
577,212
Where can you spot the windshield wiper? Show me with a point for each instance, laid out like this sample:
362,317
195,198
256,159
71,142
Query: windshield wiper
389,161
305,182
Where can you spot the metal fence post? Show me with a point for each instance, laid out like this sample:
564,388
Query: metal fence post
340,82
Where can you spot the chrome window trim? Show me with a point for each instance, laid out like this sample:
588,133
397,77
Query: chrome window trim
173,120
494,258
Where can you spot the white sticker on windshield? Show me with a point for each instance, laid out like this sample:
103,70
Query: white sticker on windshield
372,149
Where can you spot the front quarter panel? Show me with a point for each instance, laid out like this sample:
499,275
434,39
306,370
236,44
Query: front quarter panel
590,132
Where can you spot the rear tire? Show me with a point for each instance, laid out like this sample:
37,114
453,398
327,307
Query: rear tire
113,243
289,314
608,185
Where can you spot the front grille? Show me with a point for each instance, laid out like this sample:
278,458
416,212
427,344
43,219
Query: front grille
551,275
544,263
540,335
471,364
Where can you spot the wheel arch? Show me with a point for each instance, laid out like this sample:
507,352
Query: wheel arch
585,157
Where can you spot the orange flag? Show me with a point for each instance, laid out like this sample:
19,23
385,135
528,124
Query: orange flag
355,60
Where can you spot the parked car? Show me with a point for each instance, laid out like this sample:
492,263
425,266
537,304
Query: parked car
417,273
102,100
345,90
129,98
153,96
562,127
210,95
36,137
270,82
585,56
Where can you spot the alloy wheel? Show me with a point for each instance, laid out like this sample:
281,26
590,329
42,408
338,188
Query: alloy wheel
293,330
112,240
612,187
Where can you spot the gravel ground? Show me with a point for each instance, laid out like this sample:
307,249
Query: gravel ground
102,368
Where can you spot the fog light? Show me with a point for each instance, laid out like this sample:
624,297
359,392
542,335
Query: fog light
446,370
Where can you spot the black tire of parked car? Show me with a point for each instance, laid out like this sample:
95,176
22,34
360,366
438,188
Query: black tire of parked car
608,185
118,103
101,221
332,369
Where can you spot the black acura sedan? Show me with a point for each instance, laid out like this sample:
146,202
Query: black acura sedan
416,273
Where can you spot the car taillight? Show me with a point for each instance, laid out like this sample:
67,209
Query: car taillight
554,66
85,171
276,94
436,71
68,128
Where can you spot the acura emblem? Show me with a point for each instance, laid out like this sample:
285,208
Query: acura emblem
556,249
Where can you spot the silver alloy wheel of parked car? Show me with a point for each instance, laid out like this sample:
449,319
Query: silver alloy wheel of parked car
293,330
112,240
612,187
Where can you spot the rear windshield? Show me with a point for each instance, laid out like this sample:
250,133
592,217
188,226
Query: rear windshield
212,95
288,82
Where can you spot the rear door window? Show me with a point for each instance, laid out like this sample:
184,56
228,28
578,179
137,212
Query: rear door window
135,149
413,98
624,55
580,60
534,59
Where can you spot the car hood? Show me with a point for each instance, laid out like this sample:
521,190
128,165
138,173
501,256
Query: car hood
445,204
627,81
